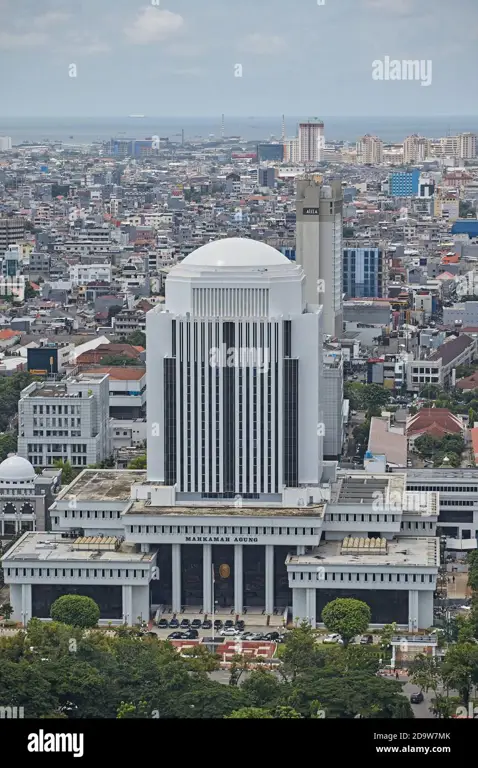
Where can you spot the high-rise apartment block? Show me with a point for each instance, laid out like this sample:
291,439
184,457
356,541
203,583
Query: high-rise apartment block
311,141
5,143
415,149
369,150
467,146
12,231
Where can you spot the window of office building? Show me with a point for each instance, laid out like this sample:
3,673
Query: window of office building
192,574
282,593
386,605
108,598
254,565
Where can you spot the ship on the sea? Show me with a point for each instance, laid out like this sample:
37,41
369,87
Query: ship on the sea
136,115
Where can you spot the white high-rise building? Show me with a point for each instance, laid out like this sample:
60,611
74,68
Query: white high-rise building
369,150
291,151
467,147
319,217
5,143
311,141
236,368
415,149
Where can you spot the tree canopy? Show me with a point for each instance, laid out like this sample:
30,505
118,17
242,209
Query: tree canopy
54,670
138,463
76,610
347,617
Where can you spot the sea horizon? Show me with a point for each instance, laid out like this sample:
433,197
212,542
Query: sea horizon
86,130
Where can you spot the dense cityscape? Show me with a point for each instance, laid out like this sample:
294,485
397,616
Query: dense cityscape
239,421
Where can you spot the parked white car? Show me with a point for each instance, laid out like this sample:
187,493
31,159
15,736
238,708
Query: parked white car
229,632
333,639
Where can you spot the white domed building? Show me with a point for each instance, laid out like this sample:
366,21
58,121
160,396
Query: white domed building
24,496
233,331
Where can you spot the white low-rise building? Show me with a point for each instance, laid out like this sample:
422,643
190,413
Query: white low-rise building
367,538
41,567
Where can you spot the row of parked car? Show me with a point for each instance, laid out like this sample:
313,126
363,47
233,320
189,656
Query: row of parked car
363,640
186,624
193,634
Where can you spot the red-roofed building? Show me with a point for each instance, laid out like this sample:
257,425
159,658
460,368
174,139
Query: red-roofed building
435,422
9,338
468,383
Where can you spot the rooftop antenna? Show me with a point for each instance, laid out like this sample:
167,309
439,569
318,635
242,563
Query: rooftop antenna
283,127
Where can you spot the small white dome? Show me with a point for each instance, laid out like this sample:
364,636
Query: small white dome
16,468
236,252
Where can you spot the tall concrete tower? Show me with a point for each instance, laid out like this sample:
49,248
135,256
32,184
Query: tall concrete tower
319,217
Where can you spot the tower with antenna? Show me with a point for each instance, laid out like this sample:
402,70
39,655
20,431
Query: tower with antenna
222,127
283,128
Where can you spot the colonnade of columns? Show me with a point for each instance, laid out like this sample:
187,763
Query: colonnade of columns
208,578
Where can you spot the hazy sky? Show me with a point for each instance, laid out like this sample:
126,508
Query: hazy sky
179,57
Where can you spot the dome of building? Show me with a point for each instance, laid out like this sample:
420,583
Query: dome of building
235,252
16,469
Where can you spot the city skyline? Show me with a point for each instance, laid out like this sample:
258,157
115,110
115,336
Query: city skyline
127,57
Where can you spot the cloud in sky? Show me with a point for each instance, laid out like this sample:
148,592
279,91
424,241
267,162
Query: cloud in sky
153,25
297,59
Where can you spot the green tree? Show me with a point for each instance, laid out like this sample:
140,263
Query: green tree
67,472
137,339
287,713
113,311
133,711
250,713
8,444
460,670
6,610
30,292
262,688
75,610
347,617
138,463
300,651
120,360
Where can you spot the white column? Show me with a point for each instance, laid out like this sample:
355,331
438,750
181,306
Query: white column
26,603
238,579
144,547
394,652
269,578
311,604
413,610
128,617
299,611
207,578
176,561
301,549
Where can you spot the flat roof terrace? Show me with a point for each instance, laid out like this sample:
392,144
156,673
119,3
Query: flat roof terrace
357,489
416,552
143,507
102,485
46,546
